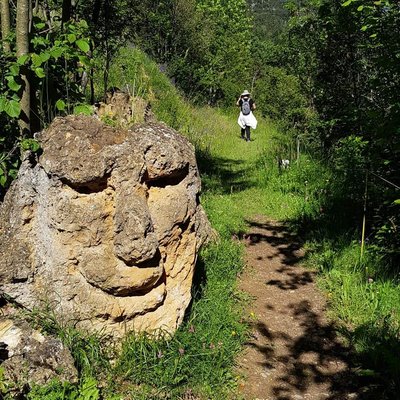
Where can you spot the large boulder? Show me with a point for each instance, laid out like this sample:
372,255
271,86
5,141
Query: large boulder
104,227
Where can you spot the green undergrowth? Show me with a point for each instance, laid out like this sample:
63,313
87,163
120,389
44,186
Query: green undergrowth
241,180
365,299
136,73
91,352
198,358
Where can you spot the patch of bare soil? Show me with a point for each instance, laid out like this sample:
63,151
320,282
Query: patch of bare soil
294,352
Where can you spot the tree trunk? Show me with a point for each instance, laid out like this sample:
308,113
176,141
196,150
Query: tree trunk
22,43
107,45
5,24
96,11
66,11
95,20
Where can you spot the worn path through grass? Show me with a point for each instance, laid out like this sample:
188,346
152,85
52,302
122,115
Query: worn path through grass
293,351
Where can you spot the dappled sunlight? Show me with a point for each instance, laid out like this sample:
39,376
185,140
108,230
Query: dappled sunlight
293,350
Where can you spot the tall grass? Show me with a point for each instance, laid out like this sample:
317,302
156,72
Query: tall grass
91,352
134,72
241,180
366,302
199,356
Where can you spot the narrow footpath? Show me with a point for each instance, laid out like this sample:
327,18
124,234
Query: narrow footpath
293,352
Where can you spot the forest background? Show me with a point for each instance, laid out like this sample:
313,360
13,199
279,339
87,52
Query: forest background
327,73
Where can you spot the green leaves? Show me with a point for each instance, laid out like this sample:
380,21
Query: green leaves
30,144
89,390
84,60
40,25
40,72
60,55
10,107
40,58
2,103
23,59
347,3
12,84
36,60
3,179
45,56
71,38
60,105
9,164
85,109
45,59
14,70
83,45
56,52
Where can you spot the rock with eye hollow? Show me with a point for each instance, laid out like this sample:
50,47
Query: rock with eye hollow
105,226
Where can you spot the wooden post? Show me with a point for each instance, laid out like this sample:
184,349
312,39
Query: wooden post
298,150
364,223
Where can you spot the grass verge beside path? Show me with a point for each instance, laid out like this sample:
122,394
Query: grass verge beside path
242,179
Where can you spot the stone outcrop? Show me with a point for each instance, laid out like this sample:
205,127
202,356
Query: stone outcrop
104,227
30,357
122,110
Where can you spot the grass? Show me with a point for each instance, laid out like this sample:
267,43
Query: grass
200,355
91,352
135,73
367,306
241,180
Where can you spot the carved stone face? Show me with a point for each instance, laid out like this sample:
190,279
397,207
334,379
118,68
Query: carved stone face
113,225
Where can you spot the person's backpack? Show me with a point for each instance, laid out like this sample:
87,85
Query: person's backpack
246,109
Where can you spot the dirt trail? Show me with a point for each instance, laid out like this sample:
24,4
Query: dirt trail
293,353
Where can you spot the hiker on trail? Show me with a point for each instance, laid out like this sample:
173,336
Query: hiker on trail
246,118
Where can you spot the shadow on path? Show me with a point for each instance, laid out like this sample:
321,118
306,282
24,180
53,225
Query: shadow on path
294,350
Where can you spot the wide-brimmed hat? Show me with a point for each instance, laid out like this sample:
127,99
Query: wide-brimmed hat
245,93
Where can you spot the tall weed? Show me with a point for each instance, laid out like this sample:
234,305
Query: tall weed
91,352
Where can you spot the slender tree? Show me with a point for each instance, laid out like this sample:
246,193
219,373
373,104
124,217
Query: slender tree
22,47
5,24
68,10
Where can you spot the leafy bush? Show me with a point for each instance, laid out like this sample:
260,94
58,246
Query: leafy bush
134,72
57,57
56,390
350,166
280,97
